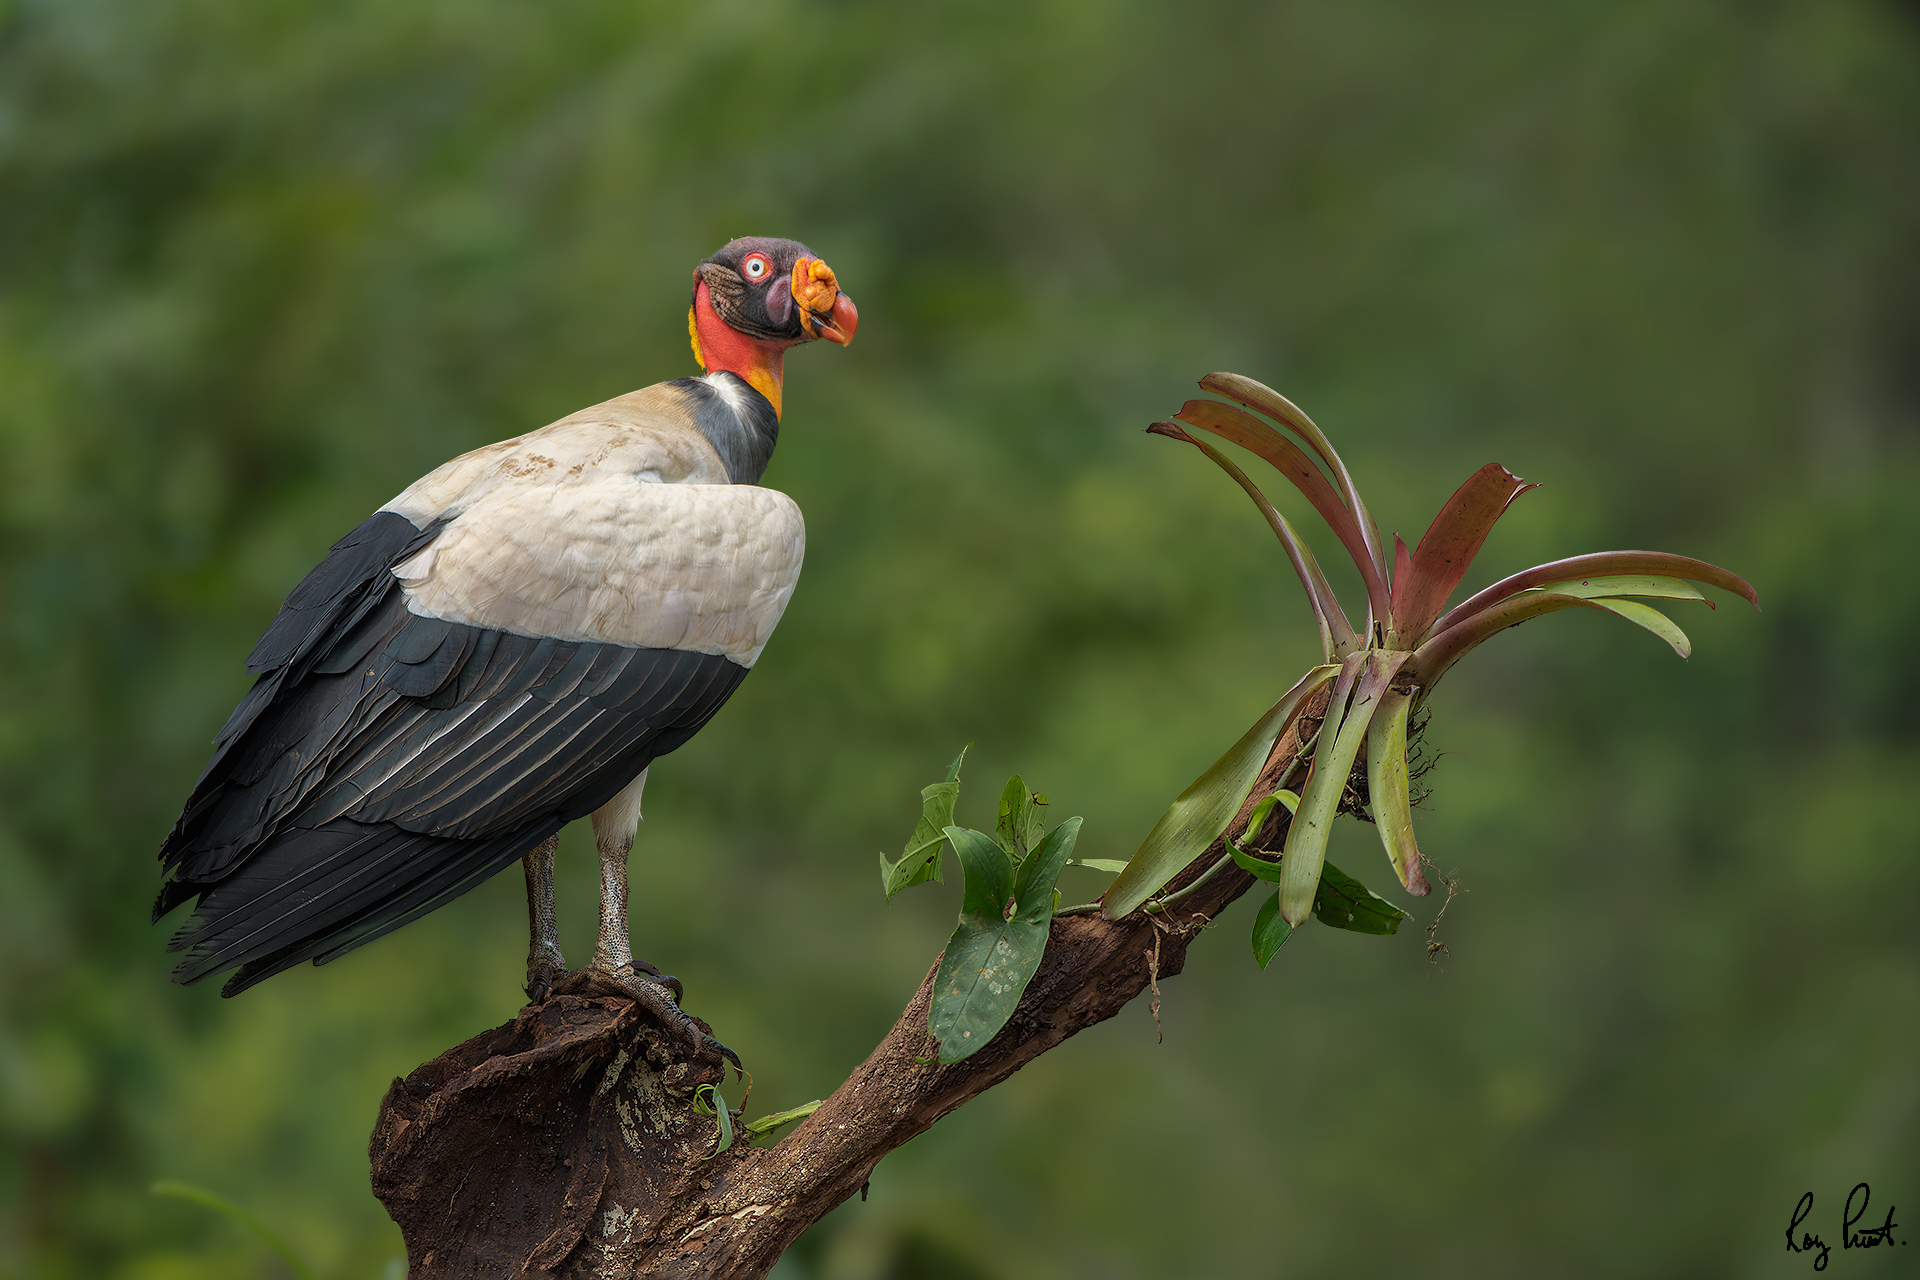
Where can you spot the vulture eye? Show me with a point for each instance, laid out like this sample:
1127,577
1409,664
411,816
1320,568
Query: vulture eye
756,267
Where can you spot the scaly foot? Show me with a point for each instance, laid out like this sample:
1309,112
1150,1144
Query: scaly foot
651,994
666,980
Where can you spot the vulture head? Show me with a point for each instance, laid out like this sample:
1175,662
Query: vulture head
755,298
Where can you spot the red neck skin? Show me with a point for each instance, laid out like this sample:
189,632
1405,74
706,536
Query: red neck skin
724,349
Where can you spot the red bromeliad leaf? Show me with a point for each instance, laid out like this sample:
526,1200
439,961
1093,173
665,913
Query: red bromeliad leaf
1449,546
1368,560
1285,457
1402,570
1337,636
1260,396
1451,642
1595,565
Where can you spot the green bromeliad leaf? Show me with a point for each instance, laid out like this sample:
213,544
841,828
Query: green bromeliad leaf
920,861
1647,616
1597,565
1000,938
1390,789
1450,643
1628,584
1369,677
1195,820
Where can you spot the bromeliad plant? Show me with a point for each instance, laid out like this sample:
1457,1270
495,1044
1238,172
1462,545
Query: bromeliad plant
1380,673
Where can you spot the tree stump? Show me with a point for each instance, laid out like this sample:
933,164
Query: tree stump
546,1146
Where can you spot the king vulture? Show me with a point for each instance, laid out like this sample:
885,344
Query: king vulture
505,647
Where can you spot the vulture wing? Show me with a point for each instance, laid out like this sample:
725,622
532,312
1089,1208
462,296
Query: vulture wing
499,652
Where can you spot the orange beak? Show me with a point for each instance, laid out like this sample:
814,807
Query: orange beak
838,325
825,312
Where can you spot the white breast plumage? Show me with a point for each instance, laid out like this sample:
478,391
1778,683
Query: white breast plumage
607,526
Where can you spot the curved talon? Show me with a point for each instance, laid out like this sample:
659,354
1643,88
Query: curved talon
542,981
709,1045
666,980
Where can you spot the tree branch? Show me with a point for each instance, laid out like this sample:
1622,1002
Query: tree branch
568,1143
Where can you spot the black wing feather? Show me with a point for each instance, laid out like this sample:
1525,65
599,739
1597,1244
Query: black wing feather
386,762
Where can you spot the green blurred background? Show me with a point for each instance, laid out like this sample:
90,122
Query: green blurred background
263,264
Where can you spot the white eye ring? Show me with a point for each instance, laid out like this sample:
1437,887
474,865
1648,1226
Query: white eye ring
755,267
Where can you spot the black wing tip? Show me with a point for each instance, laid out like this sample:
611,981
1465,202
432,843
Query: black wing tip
171,895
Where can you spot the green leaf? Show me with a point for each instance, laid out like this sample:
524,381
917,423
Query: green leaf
1628,584
767,1124
1018,829
1455,537
717,1109
1270,929
1113,865
1257,818
1033,889
1002,934
1345,903
1254,865
1247,860
920,862
987,871
1341,734
1389,789
1194,821
220,1204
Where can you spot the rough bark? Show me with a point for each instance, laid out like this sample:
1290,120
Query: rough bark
567,1142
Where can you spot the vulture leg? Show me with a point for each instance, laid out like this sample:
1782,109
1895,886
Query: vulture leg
614,825
545,964
614,968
